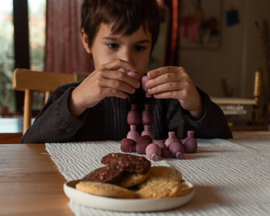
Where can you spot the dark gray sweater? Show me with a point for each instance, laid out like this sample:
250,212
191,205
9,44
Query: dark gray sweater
108,119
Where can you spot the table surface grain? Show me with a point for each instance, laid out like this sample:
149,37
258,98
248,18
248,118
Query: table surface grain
30,183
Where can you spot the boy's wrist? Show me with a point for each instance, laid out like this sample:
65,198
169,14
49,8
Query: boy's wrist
75,109
198,112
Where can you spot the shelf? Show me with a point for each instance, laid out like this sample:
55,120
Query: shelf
227,100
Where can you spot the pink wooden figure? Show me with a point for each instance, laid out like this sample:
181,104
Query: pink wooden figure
135,75
147,120
147,115
144,80
147,131
177,150
170,139
142,143
164,149
153,152
145,137
179,140
190,144
133,134
133,117
128,145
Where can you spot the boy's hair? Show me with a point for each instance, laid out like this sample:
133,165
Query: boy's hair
126,16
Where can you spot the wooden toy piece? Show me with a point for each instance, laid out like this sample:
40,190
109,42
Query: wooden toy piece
133,134
144,80
133,117
164,149
147,115
135,75
147,131
153,152
142,143
190,144
170,139
128,145
177,150
179,140
145,137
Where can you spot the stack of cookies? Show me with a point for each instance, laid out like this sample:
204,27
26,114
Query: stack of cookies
125,171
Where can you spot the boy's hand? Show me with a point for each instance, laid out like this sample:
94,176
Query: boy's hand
105,81
174,82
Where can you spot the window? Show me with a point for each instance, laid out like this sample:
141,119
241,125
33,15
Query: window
7,98
36,18
37,21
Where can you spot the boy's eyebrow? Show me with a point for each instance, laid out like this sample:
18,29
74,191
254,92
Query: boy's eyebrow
116,40
111,38
144,41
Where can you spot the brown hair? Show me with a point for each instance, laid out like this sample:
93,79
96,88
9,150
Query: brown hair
126,16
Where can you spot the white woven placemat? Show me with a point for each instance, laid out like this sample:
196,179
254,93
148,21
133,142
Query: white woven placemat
231,177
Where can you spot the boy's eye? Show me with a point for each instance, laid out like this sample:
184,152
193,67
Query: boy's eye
113,45
139,48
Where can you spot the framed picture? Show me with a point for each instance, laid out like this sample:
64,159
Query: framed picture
201,24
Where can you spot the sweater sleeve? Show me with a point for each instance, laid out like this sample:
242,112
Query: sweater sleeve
55,123
213,124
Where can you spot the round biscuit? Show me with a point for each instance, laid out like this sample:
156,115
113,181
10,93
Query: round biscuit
105,189
162,173
159,189
132,179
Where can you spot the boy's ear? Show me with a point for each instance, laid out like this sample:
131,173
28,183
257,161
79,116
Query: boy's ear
85,41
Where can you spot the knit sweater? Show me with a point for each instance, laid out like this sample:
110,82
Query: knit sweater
108,119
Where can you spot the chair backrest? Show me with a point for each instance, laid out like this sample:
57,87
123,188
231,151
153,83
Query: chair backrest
33,81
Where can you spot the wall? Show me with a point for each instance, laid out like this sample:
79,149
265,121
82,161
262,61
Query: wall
255,58
240,54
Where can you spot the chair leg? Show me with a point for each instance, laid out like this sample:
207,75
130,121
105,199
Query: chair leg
47,95
27,110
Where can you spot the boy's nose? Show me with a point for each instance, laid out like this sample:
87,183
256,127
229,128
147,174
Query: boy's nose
126,56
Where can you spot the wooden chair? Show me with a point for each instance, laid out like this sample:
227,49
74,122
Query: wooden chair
33,81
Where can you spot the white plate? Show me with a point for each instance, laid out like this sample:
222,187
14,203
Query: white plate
126,205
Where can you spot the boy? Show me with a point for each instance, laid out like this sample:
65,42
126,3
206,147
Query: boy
119,36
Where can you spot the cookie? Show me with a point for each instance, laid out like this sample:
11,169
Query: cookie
185,189
130,163
162,173
132,179
108,174
159,189
104,189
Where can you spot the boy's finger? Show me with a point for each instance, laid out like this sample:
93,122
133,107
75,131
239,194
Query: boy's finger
171,86
118,85
163,79
163,70
112,92
118,64
167,95
118,75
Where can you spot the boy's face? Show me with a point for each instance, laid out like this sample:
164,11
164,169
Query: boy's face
134,48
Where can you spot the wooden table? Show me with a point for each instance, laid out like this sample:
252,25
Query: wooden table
30,183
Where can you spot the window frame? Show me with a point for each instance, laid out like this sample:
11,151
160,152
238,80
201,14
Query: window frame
21,43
